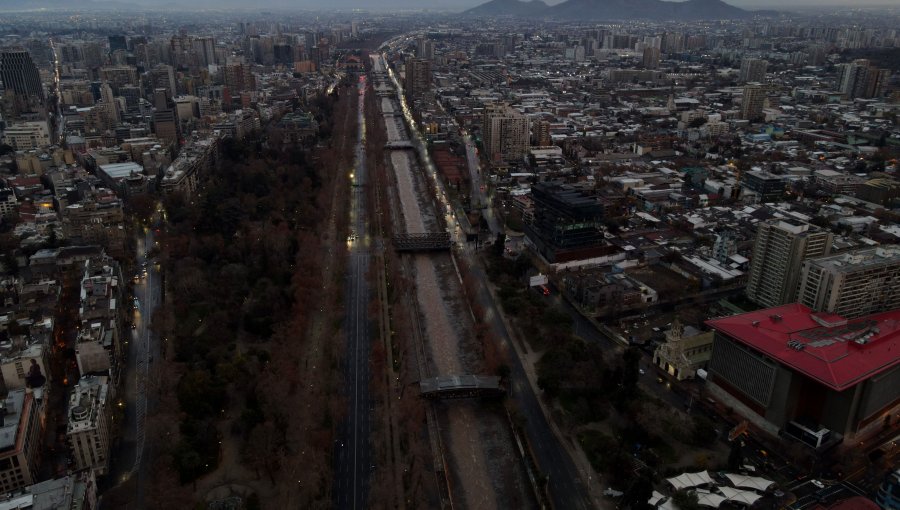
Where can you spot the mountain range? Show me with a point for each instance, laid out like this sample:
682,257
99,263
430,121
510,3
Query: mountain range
615,10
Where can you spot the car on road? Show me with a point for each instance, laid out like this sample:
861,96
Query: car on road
817,484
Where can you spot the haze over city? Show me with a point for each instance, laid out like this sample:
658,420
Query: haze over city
581,254
452,5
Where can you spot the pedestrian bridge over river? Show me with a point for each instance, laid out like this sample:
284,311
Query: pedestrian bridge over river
461,386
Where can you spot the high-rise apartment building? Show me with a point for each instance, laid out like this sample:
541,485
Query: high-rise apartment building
206,50
816,55
672,42
418,77
753,70
88,429
424,48
237,77
853,284
92,54
504,133
780,248
860,79
540,133
752,102
19,73
651,58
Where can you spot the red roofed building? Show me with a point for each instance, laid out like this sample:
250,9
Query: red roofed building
854,503
789,369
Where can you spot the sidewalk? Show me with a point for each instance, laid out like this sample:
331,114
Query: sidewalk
529,359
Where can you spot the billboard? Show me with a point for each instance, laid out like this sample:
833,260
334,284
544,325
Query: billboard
539,279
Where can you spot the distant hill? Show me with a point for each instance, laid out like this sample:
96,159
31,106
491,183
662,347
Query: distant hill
517,8
615,10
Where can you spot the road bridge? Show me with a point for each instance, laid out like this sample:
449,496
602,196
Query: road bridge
422,241
461,386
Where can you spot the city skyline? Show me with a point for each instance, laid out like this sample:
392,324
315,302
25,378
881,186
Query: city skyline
428,5
276,258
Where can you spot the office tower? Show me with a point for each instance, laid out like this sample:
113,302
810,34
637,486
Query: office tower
754,99
540,133
69,53
110,107
26,135
284,54
20,437
132,96
87,430
767,186
117,42
92,54
310,39
162,76
19,73
165,123
888,495
418,77
209,50
860,79
753,70
505,133
119,76
651,58
853,284
780,248
567,222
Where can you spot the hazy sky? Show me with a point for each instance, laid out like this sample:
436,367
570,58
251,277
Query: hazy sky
787,4
746,4
459,5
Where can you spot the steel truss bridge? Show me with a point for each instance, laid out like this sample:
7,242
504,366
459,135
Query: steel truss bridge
425,241
461,386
